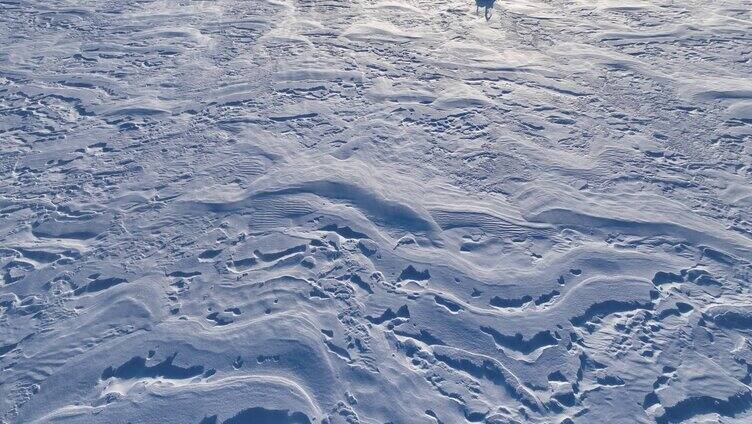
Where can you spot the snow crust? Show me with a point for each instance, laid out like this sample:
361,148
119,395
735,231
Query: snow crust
346,211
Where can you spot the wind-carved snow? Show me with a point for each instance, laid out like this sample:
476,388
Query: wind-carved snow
375,212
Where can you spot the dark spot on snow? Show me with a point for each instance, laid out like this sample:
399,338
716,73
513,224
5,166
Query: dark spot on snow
136,367
402,312
183,274
518,343
345,231
501,302
258,415
410,273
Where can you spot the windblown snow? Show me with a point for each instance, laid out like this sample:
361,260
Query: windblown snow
348,211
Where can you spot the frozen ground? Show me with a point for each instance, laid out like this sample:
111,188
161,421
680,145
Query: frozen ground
347,211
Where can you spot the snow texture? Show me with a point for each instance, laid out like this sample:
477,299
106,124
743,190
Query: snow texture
349,211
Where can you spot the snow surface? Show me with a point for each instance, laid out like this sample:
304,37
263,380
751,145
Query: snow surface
347,211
